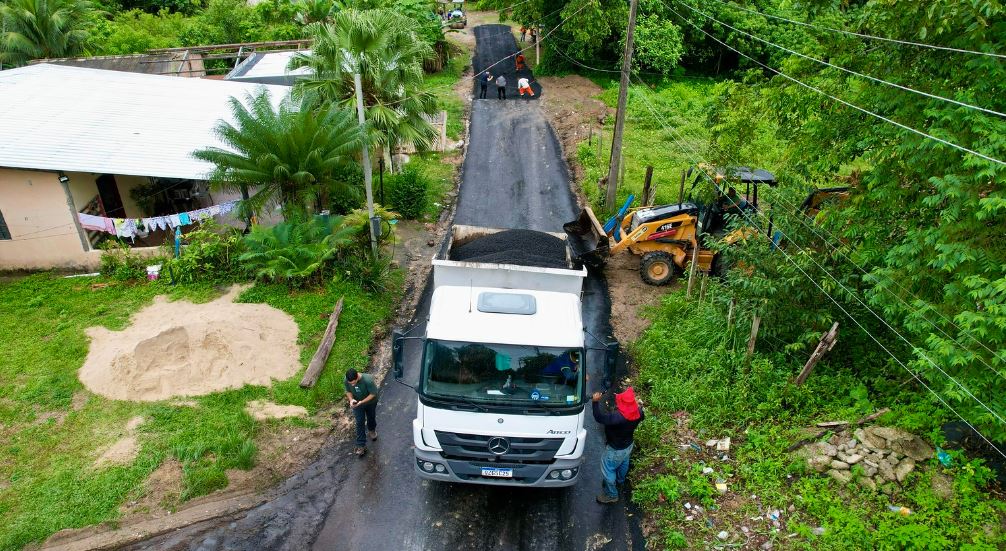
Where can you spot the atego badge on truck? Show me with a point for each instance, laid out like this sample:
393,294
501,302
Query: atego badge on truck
502,374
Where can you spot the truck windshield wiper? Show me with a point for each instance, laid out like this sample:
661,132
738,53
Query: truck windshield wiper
472,403
541,409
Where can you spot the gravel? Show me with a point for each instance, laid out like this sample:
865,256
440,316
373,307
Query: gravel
521,247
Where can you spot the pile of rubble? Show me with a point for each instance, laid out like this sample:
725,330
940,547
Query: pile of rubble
885,454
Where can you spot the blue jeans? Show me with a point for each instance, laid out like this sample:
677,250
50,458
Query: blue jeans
614,467
367,411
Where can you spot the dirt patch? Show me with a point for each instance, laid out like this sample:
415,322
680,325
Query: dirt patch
261,410
124,450
574,113
160,492
630,297
183,349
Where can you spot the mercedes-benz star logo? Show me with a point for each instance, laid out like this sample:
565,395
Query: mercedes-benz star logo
499,446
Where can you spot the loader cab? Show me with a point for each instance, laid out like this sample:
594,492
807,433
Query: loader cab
734,192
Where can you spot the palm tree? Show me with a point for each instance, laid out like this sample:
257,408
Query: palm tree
37,29
316,11
382,47
287,154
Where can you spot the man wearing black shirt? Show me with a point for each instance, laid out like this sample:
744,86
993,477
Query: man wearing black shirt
619,426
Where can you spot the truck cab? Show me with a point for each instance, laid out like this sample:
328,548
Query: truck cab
502,374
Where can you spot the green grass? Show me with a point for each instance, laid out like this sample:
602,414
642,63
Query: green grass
680,105
47,481
440,173
441,84
688,362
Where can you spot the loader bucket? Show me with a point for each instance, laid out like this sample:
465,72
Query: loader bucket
587,239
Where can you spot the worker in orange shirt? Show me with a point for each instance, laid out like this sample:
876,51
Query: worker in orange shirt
524,86
520,62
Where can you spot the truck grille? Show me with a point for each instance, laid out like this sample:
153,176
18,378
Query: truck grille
519,450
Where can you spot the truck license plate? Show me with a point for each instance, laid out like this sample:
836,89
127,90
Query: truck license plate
497,473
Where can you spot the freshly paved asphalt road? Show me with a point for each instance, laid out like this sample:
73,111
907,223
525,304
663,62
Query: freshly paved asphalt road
514,177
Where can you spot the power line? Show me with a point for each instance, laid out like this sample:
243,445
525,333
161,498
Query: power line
914,310
894,122
839,100
830,297
840,68
862,35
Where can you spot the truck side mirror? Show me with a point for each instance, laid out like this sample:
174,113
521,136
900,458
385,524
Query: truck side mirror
397,347
610,359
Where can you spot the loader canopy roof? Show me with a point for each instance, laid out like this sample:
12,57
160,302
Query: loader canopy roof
751,175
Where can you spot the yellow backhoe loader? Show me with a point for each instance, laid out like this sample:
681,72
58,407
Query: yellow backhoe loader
667,237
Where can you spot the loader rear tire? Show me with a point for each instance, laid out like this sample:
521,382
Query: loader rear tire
657,268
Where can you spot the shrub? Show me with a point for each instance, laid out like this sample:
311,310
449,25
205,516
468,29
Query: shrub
118,261
209,254
373,275
296,253
409,193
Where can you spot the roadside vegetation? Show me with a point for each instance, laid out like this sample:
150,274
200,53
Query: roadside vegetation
909,264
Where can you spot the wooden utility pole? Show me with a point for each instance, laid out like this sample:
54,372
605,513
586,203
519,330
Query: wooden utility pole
623,93
828,340
537,48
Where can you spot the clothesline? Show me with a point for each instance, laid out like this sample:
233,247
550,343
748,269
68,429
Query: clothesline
131,227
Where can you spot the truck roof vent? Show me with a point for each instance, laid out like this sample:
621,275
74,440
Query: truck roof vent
507,303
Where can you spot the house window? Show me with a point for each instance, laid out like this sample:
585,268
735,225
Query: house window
4,232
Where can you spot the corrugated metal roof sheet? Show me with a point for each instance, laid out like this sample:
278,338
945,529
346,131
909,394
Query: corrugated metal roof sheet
108,122
269,68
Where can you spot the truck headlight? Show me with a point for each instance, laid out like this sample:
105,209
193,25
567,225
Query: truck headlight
428,467
441,468
567,474
553,474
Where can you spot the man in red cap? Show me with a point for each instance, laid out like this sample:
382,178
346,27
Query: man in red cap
619,425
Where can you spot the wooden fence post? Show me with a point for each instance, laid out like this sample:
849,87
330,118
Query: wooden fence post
828,340
692,268
648,191
754,334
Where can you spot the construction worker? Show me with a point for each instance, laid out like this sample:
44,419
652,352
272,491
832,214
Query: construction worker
501,87
484,79
520,61
524,86
619,427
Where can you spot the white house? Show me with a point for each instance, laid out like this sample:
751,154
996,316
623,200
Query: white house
102,142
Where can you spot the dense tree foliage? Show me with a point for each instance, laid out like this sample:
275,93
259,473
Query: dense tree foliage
32,29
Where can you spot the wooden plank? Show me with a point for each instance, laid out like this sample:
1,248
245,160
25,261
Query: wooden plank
827,342
324,349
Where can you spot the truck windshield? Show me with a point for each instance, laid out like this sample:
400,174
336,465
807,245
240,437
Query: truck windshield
503,374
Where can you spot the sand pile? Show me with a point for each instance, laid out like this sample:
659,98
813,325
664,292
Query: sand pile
179,348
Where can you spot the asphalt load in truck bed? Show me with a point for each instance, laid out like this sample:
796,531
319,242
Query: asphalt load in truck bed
521,247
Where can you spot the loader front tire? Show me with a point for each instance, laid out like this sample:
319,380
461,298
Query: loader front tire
657,268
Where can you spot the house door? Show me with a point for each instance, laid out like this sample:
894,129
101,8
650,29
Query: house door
110,198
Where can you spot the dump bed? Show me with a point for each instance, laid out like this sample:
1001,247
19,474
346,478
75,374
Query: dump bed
509,259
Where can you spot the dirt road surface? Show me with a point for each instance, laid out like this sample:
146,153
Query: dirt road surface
513,176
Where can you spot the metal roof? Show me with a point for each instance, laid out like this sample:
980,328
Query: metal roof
270,68
77,119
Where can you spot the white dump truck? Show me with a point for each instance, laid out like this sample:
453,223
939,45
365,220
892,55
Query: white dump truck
502,377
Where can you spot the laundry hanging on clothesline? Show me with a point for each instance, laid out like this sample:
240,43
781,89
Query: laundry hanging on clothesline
132,227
